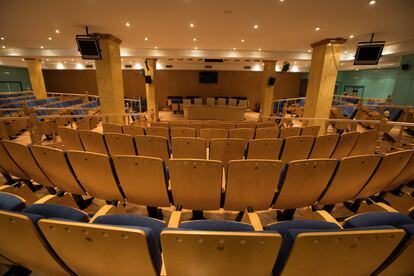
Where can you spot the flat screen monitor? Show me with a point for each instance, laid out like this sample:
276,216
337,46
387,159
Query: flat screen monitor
88,47
368,53
208,77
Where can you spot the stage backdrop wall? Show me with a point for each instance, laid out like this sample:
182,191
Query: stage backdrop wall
177,83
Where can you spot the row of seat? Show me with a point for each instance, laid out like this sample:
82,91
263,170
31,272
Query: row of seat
59,240
224,149
217,130
198,184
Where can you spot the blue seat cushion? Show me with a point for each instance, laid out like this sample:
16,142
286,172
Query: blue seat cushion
284,227
216,225
57,212
134,220
151,227
376,219
10,202
411,214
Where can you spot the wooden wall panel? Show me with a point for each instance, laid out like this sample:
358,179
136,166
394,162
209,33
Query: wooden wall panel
177,83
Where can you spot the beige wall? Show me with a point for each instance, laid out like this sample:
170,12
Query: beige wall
177,83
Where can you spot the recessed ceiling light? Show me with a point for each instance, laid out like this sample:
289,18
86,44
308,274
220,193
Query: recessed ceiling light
41,47
192,25
50,38
372,2
194,39
351,36
156,47
146,38
256,26
2,38
3,47
317,28
242,40
260,49
281,0
57,31
127,24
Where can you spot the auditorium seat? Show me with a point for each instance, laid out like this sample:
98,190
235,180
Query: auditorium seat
216,252
133,130
324,146
112,245
404,177
389,168
227,149
70,138
55,165
152,146
22,155
213,133
93,141
266,125
158,131
366,143
179,124
264,149
310,131
242,133
289,132
302,183
94,171
296,148
8,164
120,144
196,184
143,180
111,128
21,242
345,144
267,132
323,248
183,132
186,147
251,184
227,125
201,125
251,125
350,177
160,124
400,262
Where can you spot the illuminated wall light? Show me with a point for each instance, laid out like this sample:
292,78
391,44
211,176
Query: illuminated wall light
295,69
195,48
351,36
3,47
260,49
192,25
2,38
137,66
146,38
309,51
234,49
256,26
79,66
57,31
257,68
242,40
372,2
41,47
194,39
50,38
60,66
156,47
158,66
128,24
317,28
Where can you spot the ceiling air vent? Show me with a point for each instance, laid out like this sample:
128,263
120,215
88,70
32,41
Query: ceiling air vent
208,66
213,60
247,67
168,66
129,66
89,66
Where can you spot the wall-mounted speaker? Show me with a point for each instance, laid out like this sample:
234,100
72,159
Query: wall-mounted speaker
271,81
405,67
148,79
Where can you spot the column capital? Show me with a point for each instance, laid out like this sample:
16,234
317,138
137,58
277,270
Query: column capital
109,37
329,41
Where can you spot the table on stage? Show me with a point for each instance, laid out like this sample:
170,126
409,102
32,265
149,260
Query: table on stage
213,112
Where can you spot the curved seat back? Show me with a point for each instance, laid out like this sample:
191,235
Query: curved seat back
70,138
297,148
186,147
324,146
264,149
152,146
120,144
93,141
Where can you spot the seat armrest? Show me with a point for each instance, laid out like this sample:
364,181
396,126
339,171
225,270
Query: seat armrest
104,210
175,218
253,219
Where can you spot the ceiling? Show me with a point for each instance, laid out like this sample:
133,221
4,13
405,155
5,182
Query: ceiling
285,28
